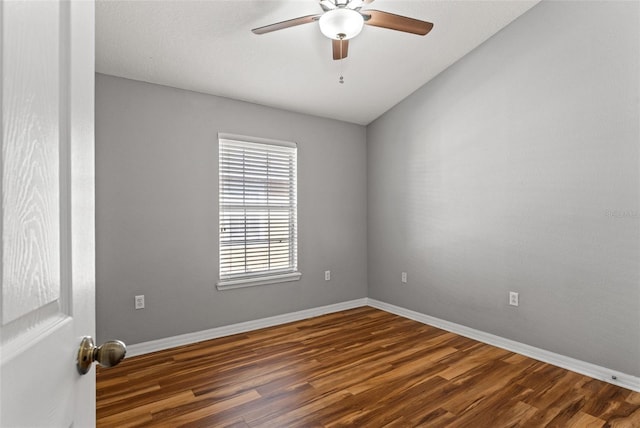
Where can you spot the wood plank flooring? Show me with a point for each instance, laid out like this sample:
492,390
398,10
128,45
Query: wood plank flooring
362,368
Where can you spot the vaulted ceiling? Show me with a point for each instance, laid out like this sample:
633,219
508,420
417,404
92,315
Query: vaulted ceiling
208,46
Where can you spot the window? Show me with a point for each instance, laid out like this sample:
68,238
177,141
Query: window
258,210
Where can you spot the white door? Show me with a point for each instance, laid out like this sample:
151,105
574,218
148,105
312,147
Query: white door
47,229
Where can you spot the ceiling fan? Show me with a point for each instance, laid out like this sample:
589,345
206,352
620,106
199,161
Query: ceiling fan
343,20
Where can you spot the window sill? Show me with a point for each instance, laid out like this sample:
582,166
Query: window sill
231,284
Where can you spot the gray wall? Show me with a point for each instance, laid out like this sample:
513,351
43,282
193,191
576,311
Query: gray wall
157,210
518,169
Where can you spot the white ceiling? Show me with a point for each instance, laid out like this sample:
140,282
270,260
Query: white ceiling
207,46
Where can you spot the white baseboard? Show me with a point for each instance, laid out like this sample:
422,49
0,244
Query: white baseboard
228,330
597,372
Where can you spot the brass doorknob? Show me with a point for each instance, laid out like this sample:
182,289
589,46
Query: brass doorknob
108,354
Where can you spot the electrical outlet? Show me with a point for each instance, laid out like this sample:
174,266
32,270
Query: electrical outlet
327,275
139,301
513,298
404,277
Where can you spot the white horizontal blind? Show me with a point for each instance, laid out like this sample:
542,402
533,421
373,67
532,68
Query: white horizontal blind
258,209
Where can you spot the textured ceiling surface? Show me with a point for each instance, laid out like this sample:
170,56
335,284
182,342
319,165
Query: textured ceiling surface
208,46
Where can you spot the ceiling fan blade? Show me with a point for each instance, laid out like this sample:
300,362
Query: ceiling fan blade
340,48
392,21
286,24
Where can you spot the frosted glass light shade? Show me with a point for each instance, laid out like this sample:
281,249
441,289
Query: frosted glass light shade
341,24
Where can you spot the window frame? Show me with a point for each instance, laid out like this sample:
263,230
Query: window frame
263,277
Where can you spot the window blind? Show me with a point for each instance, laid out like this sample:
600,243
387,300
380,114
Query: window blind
258,209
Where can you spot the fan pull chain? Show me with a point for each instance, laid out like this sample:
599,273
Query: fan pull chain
341,60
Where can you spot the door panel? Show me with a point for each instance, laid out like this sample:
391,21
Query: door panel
31,241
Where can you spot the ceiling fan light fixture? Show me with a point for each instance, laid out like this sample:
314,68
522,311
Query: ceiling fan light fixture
341,24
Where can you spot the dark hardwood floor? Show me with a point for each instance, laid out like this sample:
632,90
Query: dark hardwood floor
363,368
